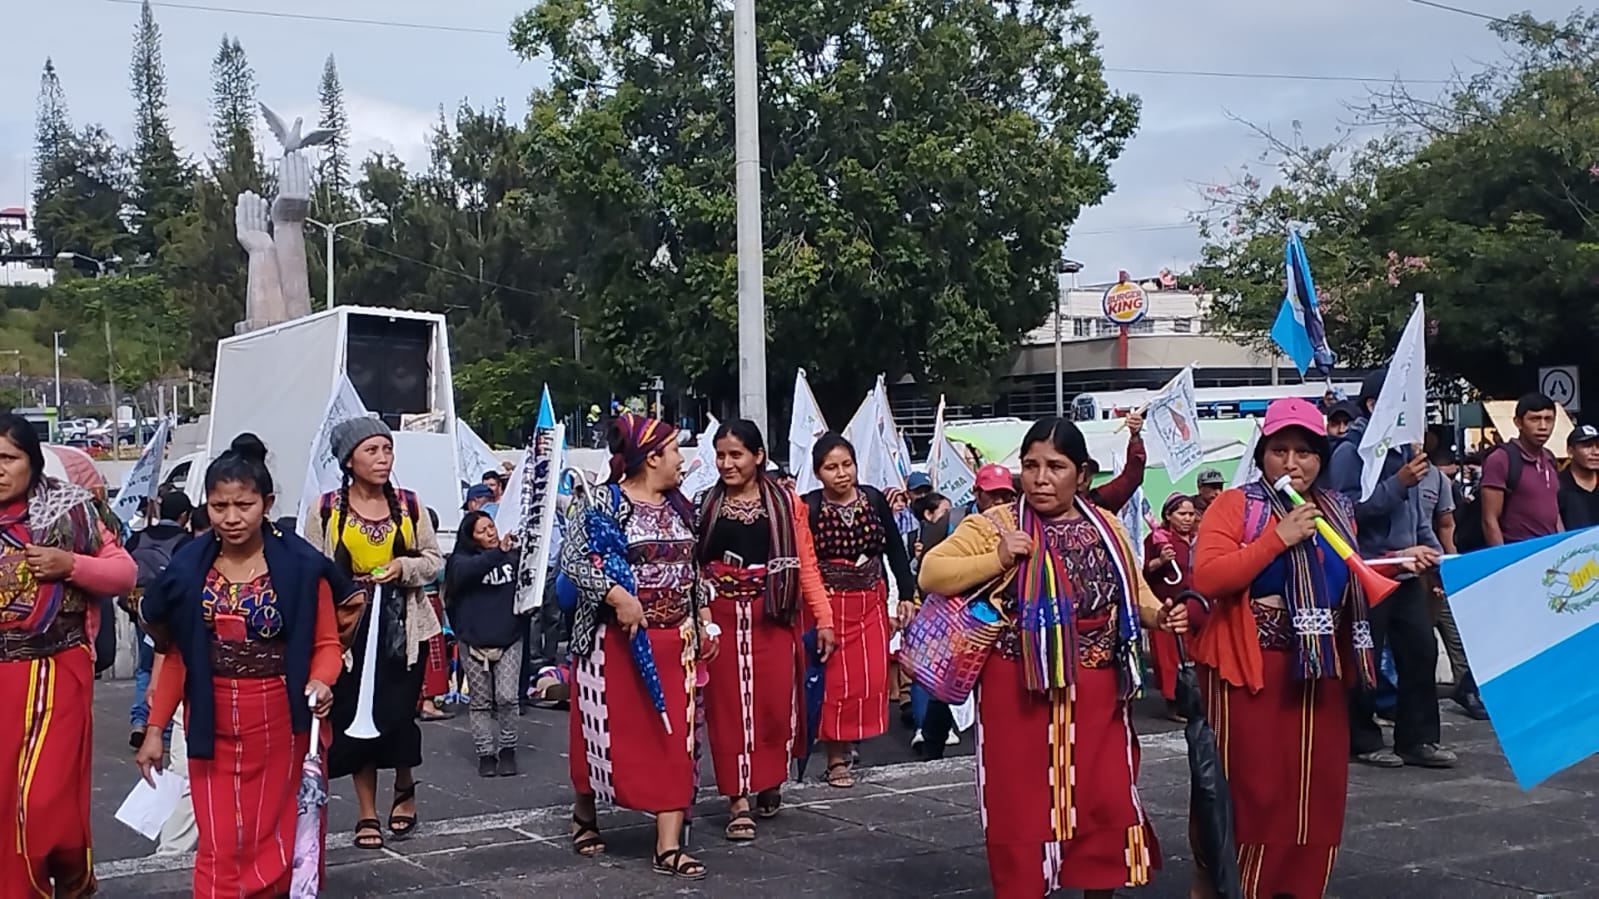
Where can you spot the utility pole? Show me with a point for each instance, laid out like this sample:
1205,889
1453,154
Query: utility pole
58,372
111,379
1063,267
751,268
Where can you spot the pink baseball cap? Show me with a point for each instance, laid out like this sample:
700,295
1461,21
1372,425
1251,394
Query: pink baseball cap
1293,412
993,477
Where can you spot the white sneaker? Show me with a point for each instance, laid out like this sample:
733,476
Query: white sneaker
917,739
954,739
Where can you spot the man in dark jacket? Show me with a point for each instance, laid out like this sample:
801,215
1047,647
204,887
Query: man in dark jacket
1391,523
151,549
1579,483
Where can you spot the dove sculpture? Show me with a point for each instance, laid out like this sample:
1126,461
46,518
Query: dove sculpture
290,138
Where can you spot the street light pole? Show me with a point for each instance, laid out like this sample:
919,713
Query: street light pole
1063,267
747,170
58,371
330,231
116,436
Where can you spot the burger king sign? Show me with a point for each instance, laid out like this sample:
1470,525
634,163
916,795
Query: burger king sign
1125,302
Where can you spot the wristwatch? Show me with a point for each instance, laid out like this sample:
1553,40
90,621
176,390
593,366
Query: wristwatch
713,630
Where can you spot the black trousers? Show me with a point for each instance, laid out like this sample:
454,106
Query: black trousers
1404,623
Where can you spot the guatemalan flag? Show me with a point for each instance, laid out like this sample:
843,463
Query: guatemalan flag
1529,616
1298,329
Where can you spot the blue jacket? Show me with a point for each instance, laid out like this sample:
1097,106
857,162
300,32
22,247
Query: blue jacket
1391,519
297,570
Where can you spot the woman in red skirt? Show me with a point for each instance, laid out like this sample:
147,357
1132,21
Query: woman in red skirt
1286,635
1168,557
854,530
58,556
1057,758
246,617
622,747
756,555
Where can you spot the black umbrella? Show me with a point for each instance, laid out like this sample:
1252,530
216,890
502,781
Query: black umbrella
1210,802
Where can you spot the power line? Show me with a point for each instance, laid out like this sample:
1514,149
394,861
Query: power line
1271,76
501,32
339,20
465,276
1130,229
1498,20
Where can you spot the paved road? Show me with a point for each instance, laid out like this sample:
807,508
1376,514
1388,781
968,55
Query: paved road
910,829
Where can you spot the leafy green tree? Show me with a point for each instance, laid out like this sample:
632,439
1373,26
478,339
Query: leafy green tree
147,327
233,115
333,170
1483,200
85,211
921,161
162,179
53,150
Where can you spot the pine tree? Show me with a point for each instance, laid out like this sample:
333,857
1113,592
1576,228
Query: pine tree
233,119
161,179
333,172
53,149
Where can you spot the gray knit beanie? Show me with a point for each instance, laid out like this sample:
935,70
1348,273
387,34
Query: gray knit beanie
351,433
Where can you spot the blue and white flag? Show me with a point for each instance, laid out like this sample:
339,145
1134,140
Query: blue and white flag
1529,617
1298,329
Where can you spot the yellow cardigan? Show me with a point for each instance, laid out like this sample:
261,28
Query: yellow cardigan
969,557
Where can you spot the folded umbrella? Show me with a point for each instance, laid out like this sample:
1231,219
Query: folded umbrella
811,694
310,802
607,541
1210,801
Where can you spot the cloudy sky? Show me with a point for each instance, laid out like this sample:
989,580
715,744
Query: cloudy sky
396,78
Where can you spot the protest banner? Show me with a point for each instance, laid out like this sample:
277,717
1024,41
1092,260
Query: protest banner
139,483
1399,418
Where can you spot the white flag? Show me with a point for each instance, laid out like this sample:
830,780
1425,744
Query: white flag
323,472
1247,472
946,466
871,431
1173,418
138,485
1400,416
1136,509
473,456
804,426
508,517
700,472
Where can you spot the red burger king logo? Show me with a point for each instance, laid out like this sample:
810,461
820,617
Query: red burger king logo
1125,302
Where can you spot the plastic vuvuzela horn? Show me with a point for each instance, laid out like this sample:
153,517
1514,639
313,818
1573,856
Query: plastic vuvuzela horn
1377,586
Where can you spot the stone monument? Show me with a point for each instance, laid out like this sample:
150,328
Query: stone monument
273,233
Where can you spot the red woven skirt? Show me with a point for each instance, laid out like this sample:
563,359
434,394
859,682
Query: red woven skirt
1163,652
1057,785
618,748
1285,751
46,734
750,699
855,681
244,795
436,669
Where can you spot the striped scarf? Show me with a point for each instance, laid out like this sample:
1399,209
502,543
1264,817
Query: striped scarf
1046,607
1310,606
782,562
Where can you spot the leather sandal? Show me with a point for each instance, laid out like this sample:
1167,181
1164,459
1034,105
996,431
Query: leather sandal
402,825
674,863
838,775
741,827
768,802
586,839
368,834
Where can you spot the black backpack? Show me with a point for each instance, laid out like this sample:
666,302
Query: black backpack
1468,518
151,554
